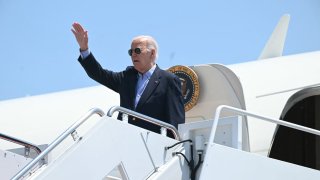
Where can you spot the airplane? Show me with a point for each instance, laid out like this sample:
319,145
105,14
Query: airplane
251,120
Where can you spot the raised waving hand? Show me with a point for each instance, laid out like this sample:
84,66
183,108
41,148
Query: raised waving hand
81,35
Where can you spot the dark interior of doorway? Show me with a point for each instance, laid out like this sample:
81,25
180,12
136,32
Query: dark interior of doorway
295,146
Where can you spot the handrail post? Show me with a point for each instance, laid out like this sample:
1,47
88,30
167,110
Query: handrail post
163,131
145,118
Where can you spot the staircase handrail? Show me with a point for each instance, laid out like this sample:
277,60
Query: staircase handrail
145,118
20,142
57,141
246,113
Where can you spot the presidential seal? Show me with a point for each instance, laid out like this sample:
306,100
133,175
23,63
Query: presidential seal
189,85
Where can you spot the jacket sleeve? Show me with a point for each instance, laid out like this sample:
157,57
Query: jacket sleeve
105,77
174,105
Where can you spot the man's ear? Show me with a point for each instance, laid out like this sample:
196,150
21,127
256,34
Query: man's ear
153,52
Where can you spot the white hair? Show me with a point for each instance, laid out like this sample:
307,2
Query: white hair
151,43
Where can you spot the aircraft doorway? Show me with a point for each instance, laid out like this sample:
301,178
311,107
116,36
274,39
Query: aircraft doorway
295,146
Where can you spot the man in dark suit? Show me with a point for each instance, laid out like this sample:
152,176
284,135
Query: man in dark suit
143,87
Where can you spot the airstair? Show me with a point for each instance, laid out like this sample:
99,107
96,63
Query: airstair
210,149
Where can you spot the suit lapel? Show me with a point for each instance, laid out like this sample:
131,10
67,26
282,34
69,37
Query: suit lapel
152,85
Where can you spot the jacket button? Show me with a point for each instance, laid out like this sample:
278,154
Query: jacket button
134,118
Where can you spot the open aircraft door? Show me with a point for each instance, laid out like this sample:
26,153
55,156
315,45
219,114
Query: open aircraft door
295,146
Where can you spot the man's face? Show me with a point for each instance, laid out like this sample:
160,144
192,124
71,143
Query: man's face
144,61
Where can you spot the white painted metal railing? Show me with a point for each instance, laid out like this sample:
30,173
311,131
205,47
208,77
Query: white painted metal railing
164,126
63,136
246,113
26,144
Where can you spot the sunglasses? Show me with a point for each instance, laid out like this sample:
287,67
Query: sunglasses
136,50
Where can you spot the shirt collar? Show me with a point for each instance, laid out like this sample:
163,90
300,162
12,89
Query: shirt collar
149,73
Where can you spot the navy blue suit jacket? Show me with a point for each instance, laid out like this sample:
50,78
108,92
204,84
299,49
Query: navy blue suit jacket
161,99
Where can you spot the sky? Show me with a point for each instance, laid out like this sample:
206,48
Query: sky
39,52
